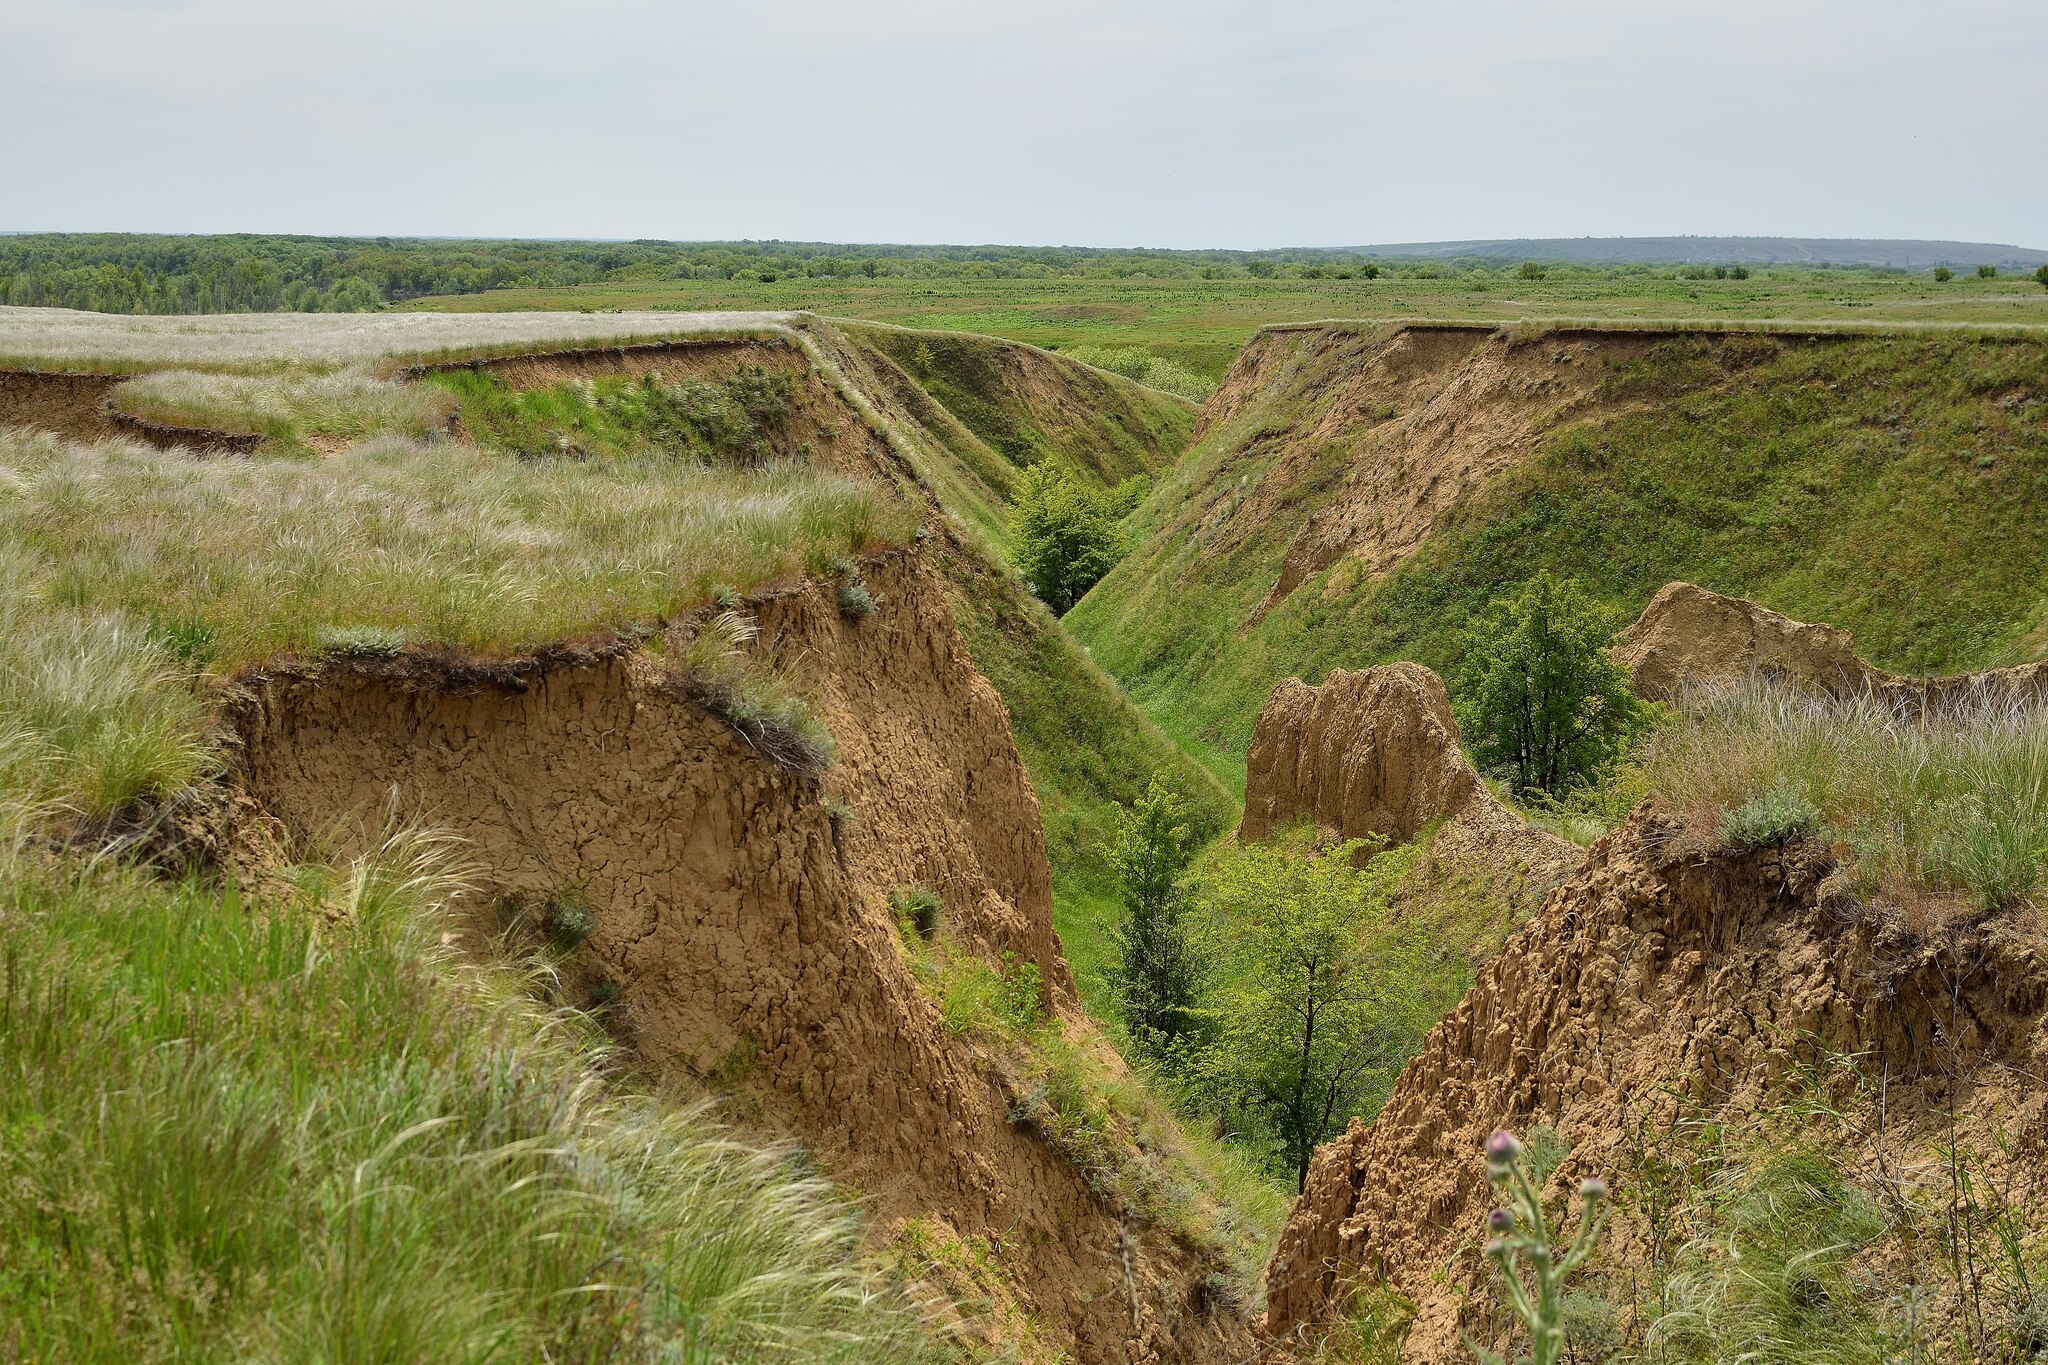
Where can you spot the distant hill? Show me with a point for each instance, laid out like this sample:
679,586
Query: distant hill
1909,255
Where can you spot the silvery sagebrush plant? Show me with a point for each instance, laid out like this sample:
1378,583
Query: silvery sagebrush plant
1521,1234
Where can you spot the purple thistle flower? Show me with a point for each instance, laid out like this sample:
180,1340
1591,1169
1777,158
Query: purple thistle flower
1593,1187
1503,1149
1500,1221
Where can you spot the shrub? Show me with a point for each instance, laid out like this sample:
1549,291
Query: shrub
1770,817
568,919
1153,371
1987,272
1942,274
856,602
1539,698
2041,275
1067,536
1532,270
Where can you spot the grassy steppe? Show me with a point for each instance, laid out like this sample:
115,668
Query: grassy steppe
1203,323
1895,486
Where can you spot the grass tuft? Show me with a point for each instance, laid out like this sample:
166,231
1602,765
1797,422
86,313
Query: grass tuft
760,703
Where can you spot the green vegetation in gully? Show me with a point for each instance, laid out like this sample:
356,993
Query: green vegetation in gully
1896,486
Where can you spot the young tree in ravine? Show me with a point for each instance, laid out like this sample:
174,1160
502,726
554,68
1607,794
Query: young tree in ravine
1157,972
1067,534
1539,700
1320,998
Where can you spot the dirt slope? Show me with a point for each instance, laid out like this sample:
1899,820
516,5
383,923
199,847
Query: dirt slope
1376,753
748,936
1689,635
1645,980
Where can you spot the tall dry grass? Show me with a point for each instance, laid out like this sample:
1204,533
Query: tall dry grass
288,406
1952,799
124,571
116,343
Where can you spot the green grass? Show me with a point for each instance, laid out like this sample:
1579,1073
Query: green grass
1202,324
1895,486
617,416
294,1128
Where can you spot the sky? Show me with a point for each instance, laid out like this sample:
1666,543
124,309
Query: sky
1164,123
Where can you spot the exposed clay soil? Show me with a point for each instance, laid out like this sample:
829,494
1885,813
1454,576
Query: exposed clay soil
1376,752
1688,635
1650,981
748,935
74,405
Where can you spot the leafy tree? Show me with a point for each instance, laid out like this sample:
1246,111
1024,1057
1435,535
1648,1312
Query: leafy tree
1942,274
1158,968
1987,272
1066,534
1320,998
1539,698
2041,275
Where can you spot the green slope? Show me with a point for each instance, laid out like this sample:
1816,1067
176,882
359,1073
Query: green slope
1893,485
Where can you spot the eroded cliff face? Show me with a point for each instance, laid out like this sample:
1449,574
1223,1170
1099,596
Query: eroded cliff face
1650,981
744,923
1688,636
1376,752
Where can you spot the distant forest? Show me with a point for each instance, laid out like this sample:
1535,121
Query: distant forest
243,273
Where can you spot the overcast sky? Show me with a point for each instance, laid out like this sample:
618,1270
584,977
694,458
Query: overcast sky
1177,123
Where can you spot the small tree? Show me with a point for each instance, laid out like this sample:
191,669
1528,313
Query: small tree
1066,534
1539,698
1158,969
1987,272
2041,276
1942,274
1320,998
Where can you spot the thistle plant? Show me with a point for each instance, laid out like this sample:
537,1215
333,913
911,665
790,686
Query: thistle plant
1520,1232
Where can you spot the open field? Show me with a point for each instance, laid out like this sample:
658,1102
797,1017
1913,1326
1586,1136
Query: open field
1202,324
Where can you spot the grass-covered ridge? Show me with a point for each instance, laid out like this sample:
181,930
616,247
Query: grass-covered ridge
292,1127
1893,485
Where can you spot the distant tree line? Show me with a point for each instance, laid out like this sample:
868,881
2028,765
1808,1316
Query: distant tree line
248,273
